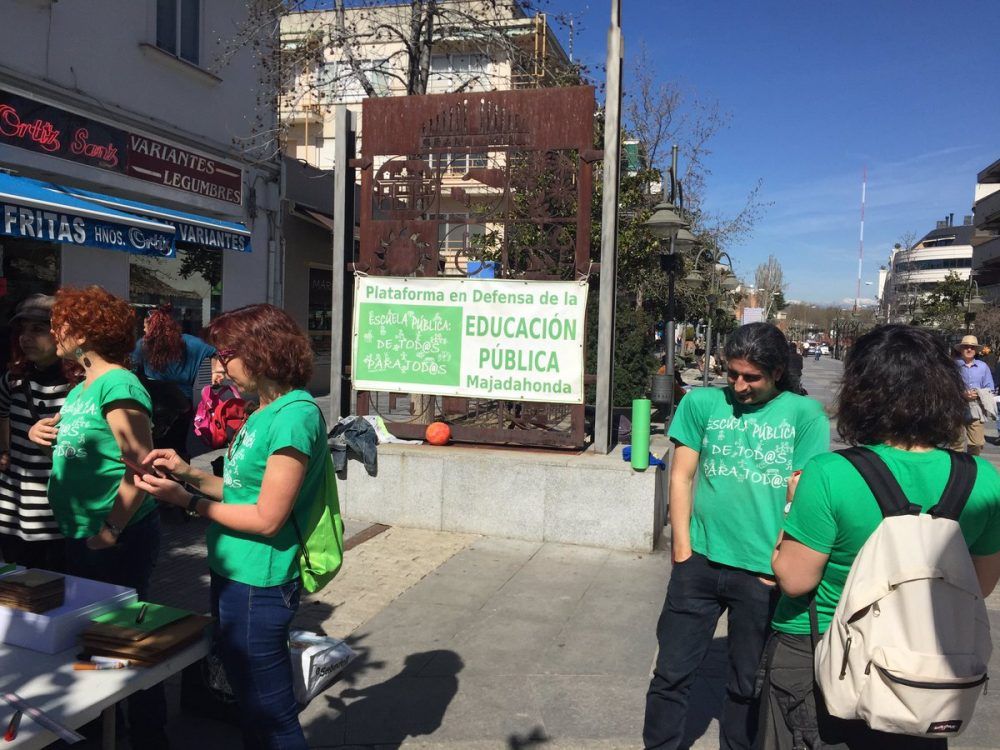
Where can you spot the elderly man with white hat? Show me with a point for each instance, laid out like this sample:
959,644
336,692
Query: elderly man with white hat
977,378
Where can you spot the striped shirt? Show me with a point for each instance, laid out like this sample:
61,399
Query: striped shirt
24,504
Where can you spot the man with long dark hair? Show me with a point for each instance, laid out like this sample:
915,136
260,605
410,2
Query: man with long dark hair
743,443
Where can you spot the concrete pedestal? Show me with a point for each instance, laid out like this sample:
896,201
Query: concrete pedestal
540,496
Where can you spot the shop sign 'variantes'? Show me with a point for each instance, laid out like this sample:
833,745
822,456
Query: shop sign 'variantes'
478,338
45,129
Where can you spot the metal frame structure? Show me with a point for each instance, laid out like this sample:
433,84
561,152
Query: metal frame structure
529,185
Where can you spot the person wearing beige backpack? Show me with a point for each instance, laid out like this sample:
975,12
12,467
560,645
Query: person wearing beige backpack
886,554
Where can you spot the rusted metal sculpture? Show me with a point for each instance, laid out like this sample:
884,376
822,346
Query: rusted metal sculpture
452,181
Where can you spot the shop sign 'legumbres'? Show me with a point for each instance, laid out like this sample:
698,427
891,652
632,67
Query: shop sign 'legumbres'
42,128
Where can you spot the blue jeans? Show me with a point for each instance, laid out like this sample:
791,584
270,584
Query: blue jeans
698,593
253,643
129,563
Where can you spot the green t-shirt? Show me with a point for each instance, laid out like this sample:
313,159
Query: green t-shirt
86,470
834,513
292,421
746,455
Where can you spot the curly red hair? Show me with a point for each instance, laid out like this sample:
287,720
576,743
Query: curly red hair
105,321
162,343
268,341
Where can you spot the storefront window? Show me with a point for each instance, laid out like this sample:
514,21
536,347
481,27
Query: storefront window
26,267
320,320
191,282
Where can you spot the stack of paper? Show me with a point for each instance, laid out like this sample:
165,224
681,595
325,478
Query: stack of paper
32,590
144,633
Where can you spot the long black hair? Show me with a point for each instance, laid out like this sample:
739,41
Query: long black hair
764,346
900,385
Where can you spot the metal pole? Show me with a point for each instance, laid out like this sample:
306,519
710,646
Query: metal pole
609,236
668,330
668,336
708,342
343,244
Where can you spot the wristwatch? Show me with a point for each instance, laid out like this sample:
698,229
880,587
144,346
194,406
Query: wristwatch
192,506
116,531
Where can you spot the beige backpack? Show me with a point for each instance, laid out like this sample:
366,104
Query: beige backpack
909,642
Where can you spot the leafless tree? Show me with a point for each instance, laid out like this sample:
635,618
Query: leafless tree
381,48
769,280
661,113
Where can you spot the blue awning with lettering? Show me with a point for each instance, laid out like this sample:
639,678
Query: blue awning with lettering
36,210
192,229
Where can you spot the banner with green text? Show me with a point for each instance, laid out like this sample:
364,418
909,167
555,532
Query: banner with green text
479,338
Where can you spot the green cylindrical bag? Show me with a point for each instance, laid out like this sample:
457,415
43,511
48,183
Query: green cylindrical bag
321,536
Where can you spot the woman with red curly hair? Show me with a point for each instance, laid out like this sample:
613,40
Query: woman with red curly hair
112,532
274,472
167,361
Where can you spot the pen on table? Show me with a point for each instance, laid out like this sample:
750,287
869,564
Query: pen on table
142,614
110,660
88,666
15,722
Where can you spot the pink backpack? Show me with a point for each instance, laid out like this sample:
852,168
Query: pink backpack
220,413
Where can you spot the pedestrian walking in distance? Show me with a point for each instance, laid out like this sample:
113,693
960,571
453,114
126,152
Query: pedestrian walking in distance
741,443
978,395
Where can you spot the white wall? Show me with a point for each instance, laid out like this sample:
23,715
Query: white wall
94,47
96,58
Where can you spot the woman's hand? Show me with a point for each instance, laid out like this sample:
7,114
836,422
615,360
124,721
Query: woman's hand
103,539
168,460
44,431
165,490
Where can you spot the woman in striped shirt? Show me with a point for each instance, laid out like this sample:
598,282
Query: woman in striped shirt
35,387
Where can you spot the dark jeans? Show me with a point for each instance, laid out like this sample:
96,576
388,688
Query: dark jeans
793,716
129,563
698,593
49,554
253,643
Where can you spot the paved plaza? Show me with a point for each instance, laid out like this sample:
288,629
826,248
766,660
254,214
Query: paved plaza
472,642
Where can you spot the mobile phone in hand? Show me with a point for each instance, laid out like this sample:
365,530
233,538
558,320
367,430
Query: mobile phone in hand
139,469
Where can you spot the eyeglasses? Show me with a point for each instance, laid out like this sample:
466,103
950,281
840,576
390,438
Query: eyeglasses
967,346
225,356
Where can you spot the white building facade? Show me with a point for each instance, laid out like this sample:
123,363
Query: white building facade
122,160
912,274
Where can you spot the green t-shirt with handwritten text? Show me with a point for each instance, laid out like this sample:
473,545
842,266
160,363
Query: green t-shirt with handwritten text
86,470
291,421
746,455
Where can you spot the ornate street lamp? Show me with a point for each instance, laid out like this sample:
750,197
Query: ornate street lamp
671,229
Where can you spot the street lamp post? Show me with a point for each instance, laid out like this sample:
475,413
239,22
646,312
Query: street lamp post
973,304
668,225
721,278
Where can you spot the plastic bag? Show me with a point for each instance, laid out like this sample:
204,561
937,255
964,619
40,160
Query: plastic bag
317,660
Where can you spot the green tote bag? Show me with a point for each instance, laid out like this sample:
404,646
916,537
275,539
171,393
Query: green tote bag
321,535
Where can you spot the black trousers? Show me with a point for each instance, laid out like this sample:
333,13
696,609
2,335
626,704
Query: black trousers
46,554
699,592
793,716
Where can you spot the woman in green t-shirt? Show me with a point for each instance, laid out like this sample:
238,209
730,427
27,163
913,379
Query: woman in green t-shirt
276,464
901,396
111,528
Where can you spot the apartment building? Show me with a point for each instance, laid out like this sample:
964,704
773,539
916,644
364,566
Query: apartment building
913,272
986,258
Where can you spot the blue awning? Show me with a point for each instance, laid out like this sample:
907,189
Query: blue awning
192,229
43,211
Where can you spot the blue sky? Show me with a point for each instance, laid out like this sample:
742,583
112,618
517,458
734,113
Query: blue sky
817,91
